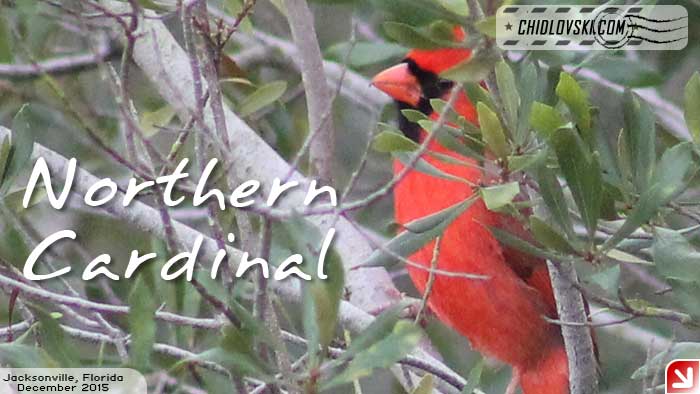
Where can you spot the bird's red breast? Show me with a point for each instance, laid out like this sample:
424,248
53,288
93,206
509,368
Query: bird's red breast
503,315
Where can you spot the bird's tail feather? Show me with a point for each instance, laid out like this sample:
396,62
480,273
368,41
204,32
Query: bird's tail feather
547,375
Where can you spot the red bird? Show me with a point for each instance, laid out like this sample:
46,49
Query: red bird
503,315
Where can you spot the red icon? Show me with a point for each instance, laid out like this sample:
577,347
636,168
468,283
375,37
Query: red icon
683,377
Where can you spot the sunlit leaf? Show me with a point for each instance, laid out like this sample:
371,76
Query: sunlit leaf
545,119
571,93
492,131
498,196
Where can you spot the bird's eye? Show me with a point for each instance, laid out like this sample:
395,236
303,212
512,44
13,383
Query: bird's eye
445,84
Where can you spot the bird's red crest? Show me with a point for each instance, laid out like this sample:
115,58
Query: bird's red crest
439,60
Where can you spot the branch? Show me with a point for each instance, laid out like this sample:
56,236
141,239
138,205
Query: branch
369,288
59,65
583,375
318,95
147,219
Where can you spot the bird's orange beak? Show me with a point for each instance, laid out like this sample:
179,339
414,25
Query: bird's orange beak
399,83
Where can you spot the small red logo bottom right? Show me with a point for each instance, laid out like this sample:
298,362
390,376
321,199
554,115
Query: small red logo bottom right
683,377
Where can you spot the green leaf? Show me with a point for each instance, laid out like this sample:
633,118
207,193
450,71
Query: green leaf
5,151
410,36
474,69
383,354
457,7
379,329
425,386
425,167
686,293
509,93
54,341
626,72
498,196
571,93
549,237
142,324
670,178
640,139
365,53
160,117
235,353
581,170
264,96
545,120
413,115
474,378
418,233
492,131
13,200
674,256
22,356
528,86
520,244
6,53
234,8
692,103
321,296
390,141
487,26
608,279
413,12
22,146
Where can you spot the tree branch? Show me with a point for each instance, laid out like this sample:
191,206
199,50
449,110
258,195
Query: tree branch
583,375
318,94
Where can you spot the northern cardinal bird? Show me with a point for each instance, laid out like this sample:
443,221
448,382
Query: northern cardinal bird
503,315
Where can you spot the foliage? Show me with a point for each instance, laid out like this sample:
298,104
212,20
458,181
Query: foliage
609,175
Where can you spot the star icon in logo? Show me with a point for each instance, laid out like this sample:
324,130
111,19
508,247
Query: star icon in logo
509,26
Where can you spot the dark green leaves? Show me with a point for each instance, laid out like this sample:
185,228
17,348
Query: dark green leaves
54,340
692,106
670,179
581,170
142,325
22,146
640,139
509,93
